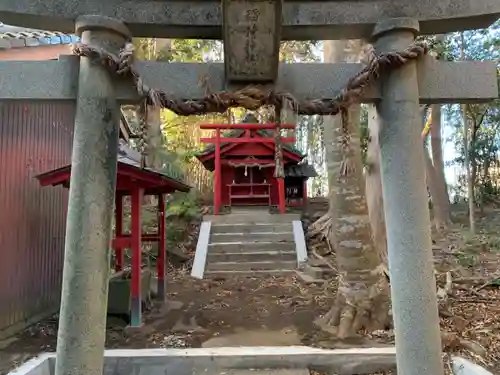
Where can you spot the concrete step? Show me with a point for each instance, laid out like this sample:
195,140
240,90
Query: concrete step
253,256
249,266
252,237
250,228
259,273
251,218
276,371
248,247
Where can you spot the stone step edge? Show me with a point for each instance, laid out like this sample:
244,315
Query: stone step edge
249,243
271,252
257,262
249,233
246,224
247,272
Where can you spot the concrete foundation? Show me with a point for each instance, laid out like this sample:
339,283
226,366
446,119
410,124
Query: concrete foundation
261,360
212,361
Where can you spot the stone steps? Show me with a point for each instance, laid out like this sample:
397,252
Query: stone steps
249,228
270,235
253,265
260,273
251,218
249,244
243,256
248,247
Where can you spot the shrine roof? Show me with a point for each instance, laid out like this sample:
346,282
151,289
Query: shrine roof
237,133
300,170
129,166
20,37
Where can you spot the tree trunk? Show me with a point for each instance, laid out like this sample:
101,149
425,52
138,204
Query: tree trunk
431,179
154,137
288,116
373,185
333,51
363,295
153,49
440,197
470,184
473,175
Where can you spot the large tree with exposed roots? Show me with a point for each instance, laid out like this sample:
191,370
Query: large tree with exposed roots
363,300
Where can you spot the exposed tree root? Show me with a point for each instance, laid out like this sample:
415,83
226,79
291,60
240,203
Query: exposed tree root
320,231
357,309
320,228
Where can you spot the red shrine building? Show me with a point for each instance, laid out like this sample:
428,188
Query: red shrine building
243,161
135,182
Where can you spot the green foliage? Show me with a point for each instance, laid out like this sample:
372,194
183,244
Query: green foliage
183,205
494,243
181,50
466,259
484,119
174,234
171,164
192,50
295,51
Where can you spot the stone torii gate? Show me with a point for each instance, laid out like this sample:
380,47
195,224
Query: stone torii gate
251,31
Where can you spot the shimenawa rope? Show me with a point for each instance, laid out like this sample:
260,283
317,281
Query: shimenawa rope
251,97
254,97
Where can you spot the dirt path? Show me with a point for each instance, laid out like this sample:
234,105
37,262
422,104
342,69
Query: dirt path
280,310
222,312
235,312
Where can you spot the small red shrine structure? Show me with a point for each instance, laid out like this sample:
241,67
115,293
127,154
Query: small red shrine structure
243,161
136,182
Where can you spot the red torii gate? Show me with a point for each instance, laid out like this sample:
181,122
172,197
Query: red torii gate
217,140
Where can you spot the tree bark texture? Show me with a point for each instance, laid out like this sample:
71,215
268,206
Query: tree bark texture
440,198
373,186
154,137
470,181
437,158
363,295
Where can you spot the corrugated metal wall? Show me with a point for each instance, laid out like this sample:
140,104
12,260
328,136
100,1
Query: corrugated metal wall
34,137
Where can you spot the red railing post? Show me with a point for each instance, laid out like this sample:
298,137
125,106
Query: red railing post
217,177
281,195
136,236
119,254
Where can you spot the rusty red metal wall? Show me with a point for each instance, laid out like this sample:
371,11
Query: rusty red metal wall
34,137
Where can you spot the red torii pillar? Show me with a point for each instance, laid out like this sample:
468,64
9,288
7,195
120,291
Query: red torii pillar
218,140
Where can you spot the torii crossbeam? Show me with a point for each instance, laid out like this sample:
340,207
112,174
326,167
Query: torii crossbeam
259,26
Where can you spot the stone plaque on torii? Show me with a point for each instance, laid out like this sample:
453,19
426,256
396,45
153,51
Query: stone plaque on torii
250,57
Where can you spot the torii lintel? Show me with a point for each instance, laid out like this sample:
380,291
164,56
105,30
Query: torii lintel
439,81
301,20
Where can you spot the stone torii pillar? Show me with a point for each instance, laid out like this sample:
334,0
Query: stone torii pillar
82,321
413,285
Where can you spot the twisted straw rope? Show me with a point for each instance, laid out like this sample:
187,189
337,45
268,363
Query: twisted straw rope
252,97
